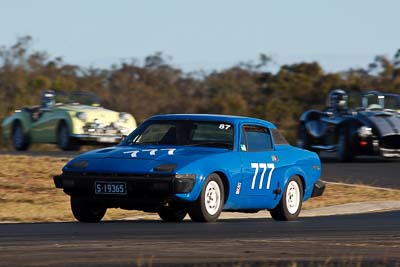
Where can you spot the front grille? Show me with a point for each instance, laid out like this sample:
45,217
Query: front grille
390,142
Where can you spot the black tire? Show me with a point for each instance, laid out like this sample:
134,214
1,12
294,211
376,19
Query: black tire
21,141
304,138
64,139
344,152
289,206
172,214
86,211
208,206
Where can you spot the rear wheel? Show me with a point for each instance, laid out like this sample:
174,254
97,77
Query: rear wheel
289,206
304,138
64,139
84,210
20,140
208,206
172,214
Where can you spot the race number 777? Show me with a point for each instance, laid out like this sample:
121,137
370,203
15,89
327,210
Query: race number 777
264,167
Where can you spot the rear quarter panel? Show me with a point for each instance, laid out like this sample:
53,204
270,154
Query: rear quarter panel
300,162
19,116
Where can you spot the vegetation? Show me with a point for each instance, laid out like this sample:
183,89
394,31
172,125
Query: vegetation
32,197
156,86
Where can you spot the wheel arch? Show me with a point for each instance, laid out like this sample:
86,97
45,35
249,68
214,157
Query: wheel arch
296,171
21,118
61,122
225,182
309,115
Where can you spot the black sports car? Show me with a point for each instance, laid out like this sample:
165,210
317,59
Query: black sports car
351,125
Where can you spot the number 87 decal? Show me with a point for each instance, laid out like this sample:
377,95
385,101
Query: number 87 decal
264,167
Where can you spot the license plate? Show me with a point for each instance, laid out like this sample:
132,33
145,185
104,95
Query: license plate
107,139
113,188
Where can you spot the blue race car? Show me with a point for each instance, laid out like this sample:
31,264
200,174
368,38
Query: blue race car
196,164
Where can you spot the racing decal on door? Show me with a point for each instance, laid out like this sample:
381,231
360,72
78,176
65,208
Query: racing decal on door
264,167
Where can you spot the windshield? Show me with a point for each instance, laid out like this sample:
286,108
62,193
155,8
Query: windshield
82,98
381,101
392,101
183,133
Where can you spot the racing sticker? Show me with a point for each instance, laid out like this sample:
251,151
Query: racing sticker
152,152
238,187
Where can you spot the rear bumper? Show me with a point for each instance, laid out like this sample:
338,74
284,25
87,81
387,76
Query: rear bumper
146,192
319,188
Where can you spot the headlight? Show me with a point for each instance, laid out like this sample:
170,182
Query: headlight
185,176
81,115
123,116
364,131
80,164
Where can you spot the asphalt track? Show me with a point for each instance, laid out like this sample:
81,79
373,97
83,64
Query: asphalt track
372,171
355,240
352,240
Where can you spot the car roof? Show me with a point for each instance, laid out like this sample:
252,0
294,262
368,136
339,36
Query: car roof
213,117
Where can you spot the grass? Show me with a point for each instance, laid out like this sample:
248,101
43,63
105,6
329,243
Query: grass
27,192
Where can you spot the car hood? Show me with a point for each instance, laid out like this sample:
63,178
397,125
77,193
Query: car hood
93,113
385,122
140,159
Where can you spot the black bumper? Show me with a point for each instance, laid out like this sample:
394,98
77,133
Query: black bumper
319,188
141,190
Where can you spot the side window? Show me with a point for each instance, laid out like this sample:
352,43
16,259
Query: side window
279,139
256,138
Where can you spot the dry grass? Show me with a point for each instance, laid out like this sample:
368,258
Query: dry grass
27,192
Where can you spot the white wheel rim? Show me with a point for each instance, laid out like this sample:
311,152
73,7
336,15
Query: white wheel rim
212,198
293,197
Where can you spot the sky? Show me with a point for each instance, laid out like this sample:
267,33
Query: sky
207,34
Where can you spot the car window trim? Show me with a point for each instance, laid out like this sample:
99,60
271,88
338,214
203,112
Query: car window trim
245,137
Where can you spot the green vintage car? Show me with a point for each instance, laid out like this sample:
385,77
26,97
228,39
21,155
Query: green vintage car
68,120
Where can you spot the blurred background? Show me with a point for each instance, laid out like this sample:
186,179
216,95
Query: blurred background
266,59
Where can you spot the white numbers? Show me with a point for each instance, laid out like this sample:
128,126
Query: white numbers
264,167
254,166
224,126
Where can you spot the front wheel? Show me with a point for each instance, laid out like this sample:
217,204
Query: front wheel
289,207
343,147
208,206
64,140
84,210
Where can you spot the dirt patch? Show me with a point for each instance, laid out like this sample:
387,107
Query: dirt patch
27,192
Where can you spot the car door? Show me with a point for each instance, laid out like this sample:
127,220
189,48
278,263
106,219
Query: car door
258,159
43,129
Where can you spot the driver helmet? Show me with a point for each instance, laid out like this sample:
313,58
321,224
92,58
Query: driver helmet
337,100
48,99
